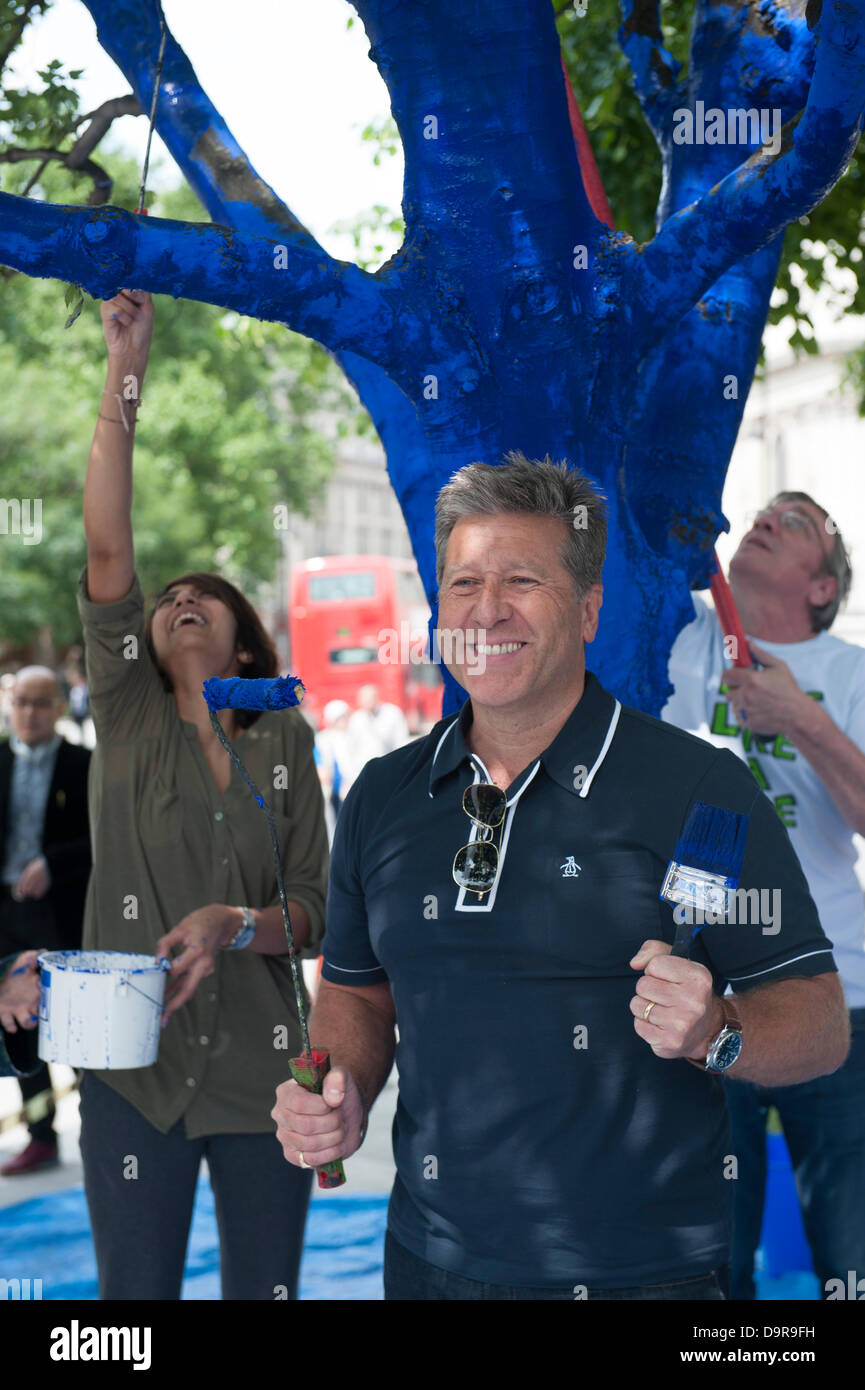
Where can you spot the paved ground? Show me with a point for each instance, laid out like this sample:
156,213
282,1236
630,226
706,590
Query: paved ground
68,1172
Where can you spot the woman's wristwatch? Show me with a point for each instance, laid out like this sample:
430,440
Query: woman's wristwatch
244,933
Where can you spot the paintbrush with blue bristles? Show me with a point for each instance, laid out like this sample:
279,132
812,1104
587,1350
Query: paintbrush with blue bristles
704,870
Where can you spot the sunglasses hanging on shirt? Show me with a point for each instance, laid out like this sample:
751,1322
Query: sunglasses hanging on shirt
476,865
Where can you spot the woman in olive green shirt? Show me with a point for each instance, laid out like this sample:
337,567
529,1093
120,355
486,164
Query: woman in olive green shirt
182,863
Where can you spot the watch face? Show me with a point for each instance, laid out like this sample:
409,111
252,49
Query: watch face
725,1051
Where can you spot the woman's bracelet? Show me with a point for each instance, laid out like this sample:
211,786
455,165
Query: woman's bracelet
136,401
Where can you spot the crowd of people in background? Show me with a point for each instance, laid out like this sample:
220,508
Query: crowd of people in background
44,863
75,723
349,738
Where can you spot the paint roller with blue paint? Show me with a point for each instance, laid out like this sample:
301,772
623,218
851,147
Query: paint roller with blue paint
281,692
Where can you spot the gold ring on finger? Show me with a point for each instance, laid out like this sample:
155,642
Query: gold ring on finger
303,1162
648,1009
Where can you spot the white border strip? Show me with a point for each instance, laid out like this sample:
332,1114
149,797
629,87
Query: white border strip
366,970
461,904
825,951
584,790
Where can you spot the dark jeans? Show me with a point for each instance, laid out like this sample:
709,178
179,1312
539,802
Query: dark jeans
409,1278
23,927
824,1125
140,1187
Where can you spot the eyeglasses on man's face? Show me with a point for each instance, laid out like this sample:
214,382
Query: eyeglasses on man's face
476,865
791,518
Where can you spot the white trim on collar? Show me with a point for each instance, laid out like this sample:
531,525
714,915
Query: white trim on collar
584,789
41,753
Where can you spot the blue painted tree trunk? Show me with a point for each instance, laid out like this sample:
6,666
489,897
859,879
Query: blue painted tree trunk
511,318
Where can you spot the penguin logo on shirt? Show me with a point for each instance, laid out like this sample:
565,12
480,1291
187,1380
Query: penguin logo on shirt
570,868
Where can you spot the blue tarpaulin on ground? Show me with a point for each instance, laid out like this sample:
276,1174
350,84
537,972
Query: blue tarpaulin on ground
48,1238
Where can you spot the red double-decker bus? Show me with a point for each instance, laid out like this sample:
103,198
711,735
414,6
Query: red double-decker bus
362,620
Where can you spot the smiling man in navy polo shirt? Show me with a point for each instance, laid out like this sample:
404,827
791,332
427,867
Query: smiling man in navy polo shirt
552,1138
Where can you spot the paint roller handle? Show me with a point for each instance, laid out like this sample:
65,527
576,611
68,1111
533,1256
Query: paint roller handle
728,616
309,1072
731,623
731,626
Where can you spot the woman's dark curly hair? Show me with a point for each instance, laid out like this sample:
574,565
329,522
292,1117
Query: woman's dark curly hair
251,634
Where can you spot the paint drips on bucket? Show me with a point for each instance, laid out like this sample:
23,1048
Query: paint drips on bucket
100,1009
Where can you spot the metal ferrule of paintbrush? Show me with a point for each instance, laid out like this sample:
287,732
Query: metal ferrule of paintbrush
697,888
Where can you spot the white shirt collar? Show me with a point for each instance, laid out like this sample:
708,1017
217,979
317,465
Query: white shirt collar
39,754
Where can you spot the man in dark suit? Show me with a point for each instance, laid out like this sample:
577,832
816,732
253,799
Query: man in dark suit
44,862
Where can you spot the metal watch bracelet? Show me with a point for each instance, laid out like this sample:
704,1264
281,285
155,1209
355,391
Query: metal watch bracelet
244,933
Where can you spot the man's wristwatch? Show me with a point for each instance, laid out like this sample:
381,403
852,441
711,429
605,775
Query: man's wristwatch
244,933
725,1048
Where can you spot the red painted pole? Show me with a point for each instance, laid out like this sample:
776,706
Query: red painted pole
728,616
588,168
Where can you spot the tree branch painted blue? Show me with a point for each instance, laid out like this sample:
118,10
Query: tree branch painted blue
511,318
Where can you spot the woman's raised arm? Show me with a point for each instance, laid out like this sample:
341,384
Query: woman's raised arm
127,321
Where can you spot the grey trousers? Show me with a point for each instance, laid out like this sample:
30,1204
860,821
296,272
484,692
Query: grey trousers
141,1223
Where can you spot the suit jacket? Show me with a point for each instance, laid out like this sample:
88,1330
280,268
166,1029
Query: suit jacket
65,835
18,1050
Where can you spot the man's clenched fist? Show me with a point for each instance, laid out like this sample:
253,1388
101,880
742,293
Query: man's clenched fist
684,1013
315,1130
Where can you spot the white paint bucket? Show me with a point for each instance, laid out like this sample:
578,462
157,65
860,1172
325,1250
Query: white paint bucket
100,1008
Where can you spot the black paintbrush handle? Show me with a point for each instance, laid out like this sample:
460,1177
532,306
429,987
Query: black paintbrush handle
682,940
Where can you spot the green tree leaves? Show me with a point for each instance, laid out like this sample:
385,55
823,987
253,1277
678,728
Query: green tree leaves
630,165
232,425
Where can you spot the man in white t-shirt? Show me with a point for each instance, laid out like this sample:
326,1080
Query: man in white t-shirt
375,728
798,720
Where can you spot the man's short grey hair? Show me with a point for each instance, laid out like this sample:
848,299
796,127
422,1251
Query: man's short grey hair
837,564
530,487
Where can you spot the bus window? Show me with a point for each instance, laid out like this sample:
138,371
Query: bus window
353,656
336,588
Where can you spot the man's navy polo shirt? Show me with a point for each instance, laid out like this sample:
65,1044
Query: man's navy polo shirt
538,1140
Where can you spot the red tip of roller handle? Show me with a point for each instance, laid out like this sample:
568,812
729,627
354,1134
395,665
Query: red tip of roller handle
731,624
309,1072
